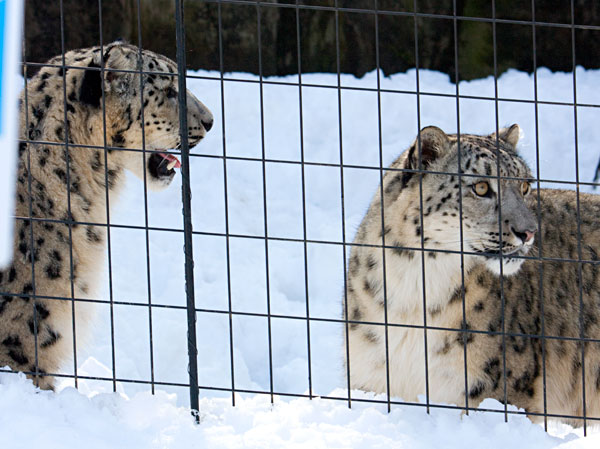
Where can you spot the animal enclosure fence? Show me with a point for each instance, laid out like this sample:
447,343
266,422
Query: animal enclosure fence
412,16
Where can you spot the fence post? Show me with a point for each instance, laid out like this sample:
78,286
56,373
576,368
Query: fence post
186,195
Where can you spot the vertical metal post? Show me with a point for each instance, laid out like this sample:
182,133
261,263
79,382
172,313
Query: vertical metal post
579,236
382,196
500,239
540,237
186,195
421,171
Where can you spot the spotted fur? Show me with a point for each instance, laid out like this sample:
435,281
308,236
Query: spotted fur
83,122
504,317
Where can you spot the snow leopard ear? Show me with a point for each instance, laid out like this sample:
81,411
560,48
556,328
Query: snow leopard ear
432,143
510,135
117,58
114,59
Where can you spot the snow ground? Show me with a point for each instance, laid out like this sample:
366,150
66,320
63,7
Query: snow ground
69,419
134,418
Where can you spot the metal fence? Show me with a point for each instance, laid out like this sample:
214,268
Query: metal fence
368,8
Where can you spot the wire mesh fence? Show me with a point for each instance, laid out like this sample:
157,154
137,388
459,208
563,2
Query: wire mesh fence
267,243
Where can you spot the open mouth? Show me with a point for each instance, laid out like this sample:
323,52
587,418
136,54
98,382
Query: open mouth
162,165
172,161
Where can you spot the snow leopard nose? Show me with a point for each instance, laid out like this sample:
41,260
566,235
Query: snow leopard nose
207,124
526,235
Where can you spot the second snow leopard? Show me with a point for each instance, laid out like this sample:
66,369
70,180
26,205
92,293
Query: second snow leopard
520,338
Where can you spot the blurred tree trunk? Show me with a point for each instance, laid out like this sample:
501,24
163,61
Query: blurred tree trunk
79,27
323,33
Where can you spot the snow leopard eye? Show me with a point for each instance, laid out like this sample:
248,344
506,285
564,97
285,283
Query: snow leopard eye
525,188
481,189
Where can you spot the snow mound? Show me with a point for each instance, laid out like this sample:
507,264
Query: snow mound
68,419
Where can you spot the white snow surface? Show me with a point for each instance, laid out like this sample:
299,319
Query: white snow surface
133,417
69,419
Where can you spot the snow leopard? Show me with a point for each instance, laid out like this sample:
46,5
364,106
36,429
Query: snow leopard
458,211
85,119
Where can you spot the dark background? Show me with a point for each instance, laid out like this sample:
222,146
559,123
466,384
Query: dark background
357,43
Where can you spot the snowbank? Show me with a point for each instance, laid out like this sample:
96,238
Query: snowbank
31,418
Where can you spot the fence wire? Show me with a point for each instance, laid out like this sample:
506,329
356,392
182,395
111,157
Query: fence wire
222,78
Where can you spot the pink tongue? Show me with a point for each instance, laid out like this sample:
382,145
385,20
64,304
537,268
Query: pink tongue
170,157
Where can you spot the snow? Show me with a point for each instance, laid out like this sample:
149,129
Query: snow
133,417
68,419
